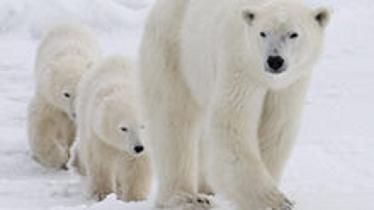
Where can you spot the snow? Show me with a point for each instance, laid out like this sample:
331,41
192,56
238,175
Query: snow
332,164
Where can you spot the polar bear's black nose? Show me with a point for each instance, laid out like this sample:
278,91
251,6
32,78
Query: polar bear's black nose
275,63
138,149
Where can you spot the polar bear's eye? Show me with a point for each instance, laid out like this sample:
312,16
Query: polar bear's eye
263,34
294,35
67,95
124,129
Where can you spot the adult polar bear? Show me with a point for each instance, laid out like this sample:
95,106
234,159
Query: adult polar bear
240,69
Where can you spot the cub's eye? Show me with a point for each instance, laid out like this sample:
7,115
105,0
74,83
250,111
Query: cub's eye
124,129
67,95
294,35
263,34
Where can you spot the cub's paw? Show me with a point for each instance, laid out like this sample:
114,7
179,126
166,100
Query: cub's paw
206,190
98,196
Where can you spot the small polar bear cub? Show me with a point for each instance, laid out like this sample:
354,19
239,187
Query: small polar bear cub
64,55
112,147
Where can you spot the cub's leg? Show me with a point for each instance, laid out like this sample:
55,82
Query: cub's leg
78,162
99,162
51,133
133,178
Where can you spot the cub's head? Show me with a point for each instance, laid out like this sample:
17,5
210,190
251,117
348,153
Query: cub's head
119,125
62,84
287,37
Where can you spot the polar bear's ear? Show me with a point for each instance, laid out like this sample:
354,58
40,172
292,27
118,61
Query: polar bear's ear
322,16
249,16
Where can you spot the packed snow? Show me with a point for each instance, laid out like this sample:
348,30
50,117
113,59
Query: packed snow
332,166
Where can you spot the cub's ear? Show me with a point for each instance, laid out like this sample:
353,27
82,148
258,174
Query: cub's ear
322,16
249,15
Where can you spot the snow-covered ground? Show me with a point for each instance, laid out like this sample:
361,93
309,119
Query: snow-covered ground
332,166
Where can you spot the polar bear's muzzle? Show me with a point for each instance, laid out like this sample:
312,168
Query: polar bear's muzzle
275,64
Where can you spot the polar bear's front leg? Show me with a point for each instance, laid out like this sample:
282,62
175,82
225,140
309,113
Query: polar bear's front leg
133,178
175,134
47,135
204,186
100,171
236,166
280,123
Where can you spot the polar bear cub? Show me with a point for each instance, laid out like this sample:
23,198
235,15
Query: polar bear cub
63,56
112,147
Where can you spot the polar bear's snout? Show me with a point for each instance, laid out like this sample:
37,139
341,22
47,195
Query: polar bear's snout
139,149
275,64
135,144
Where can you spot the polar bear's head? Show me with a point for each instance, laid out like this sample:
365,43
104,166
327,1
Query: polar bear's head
287,37
119,125
63,81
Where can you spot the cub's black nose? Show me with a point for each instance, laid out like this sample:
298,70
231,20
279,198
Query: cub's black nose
139,149
275,63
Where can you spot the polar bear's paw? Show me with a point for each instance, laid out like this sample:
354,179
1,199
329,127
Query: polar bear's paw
99,195
186,201
276,200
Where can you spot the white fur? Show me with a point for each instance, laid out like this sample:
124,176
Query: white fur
203,66
108,101
63,56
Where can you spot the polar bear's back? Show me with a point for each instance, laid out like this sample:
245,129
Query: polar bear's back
67,31
108,76
114,75
67,40
68,35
